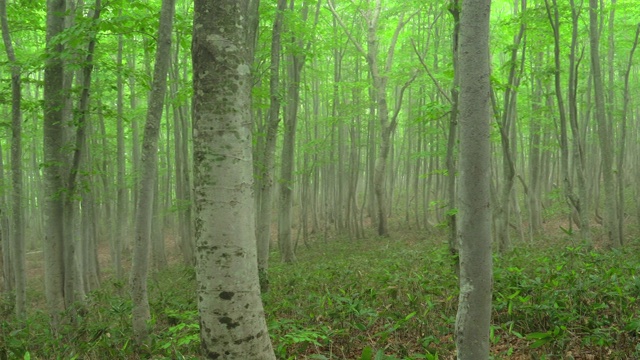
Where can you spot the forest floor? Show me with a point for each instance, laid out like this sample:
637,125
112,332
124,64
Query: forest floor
374,298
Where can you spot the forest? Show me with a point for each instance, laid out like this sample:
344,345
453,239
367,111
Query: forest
319,179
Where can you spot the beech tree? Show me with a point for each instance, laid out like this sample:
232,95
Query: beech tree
605,131
474,305
17,228
53,159
265,156
388,119
232,322
148,178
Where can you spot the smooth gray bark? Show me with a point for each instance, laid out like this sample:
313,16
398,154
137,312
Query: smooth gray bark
580,201
452,137
232,322
53,142
148,176
121,189
623,135
17,227
296,60
605,132
74,287
285,201
267,154
474,307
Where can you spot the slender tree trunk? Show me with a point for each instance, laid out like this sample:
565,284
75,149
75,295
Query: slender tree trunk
106,225
8,279
182,187
73,268
17,223
623,135
294,69
454,9
121,190
158,253
605,132
227,272
53,158
379,78
474,307
581,201
535,160
148,176
287,158
506,125
265,168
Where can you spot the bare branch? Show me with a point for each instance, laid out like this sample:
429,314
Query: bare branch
396,111
394,40
426,69
344,27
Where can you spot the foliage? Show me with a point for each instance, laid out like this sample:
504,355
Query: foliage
375,299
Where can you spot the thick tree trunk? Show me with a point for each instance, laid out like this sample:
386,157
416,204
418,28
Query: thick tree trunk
229,300
474,307
148,176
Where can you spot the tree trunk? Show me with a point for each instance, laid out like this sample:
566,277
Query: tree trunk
623,134
474,307
454,9
535,159
7,267
265,168
379,79
229,300
506,124
148,176
121,190
53,132
286,170
580,201
294,69
74,286
17,227
605,132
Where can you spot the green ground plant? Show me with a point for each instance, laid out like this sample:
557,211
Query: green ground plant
380,298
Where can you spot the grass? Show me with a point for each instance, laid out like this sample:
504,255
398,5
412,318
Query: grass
379,298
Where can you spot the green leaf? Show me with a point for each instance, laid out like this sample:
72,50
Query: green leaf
367,353
540,343
538,335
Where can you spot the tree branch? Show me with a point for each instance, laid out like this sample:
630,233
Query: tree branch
396,111
344,27
426,69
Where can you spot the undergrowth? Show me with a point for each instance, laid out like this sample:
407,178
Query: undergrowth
374,299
